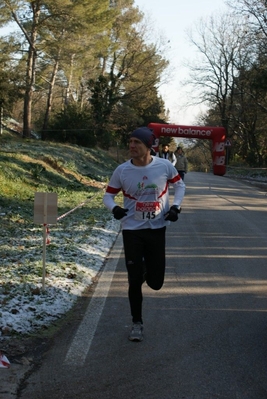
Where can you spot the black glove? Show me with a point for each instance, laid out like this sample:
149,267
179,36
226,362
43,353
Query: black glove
172,215
119,212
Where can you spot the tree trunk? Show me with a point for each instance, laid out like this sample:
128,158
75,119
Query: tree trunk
70,80
28,95
50,97
30,73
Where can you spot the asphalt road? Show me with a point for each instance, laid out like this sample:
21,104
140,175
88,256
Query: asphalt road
205,331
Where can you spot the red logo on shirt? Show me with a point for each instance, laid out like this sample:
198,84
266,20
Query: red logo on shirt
147,206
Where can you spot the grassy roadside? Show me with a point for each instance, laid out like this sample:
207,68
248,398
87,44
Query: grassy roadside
247,173
76,174
79,176
256,177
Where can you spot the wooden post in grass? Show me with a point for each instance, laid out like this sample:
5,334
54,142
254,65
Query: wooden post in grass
45,212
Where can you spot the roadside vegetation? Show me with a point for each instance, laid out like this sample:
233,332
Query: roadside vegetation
78,243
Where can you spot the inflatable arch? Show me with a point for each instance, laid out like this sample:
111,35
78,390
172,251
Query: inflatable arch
216,134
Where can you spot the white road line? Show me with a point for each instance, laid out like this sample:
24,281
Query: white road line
81,343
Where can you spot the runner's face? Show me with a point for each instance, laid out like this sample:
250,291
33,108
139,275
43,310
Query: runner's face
137,148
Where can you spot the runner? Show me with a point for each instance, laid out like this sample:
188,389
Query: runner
144,182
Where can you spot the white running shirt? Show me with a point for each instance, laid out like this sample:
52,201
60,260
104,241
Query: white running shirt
146,192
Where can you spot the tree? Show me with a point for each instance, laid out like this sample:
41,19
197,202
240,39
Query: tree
29,16
65,44
131,71
199,155
255,12
75,46
10,76
41,22
223,47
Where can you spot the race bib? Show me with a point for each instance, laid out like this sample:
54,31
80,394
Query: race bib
147,210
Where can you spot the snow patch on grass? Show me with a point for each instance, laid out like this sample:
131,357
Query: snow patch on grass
73,258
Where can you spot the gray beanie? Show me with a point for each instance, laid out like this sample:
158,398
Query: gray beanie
145,135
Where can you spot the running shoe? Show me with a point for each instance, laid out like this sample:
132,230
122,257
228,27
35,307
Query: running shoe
136,333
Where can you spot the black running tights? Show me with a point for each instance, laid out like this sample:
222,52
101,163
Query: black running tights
143,249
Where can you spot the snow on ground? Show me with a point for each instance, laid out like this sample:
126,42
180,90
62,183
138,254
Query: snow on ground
73,258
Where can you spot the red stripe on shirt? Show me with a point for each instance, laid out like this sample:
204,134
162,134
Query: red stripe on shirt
112,190
128,196
175,179
164,191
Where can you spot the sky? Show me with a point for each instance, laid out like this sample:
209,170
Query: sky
172,18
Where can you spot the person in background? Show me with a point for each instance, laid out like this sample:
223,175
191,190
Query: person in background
181,163
144,182
167,154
